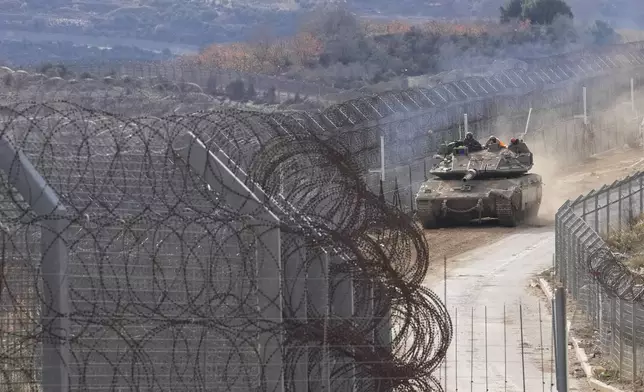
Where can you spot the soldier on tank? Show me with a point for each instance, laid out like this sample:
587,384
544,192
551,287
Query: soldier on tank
493,140
518,146
472,144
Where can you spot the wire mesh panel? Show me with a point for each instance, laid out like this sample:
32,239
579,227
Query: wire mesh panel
194,264
608,290
163,278
20,327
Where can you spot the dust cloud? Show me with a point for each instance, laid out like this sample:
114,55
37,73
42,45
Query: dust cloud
564,180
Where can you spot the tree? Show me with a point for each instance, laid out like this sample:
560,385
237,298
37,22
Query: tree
512,10
270,96
542,12
250,92
235,90
211,85
306,48
262,42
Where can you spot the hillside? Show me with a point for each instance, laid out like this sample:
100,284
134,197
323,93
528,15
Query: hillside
127,95
187,22
620,13
205,22
335,48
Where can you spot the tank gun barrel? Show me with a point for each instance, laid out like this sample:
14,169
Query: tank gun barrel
471,173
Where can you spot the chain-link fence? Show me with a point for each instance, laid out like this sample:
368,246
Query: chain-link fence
213,251
606,289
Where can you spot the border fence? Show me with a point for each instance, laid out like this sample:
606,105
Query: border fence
210,251
607,290
229,249
548,78
210,78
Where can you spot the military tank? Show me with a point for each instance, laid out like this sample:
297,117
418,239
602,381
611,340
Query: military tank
466,186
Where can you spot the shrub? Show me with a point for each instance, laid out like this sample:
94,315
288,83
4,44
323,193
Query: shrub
235,90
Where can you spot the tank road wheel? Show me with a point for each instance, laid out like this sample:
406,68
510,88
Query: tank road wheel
427,217
509,215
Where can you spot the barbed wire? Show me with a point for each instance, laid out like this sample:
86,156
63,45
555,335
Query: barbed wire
547,74
125,95
180,282
614,276
177,70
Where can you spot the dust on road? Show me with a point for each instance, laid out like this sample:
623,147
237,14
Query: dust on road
560,184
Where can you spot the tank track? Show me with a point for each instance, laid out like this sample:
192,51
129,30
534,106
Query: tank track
505,212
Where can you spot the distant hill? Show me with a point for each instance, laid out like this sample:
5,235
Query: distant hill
173,25
619,13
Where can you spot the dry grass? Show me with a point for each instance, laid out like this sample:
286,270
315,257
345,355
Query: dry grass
630,242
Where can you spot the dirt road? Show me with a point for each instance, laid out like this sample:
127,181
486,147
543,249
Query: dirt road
493,279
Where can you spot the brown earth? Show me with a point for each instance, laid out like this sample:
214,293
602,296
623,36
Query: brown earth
560,183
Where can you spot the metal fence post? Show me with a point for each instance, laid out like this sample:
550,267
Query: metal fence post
630,201
596,212
641,194
619,206
583,208
56,354
621,338
634,339
561,338
342,296
411,193
319,313
266,228
608,211
613,327
56,307
294,272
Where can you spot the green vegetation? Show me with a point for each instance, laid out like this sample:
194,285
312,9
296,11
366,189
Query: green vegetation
542,12
546,12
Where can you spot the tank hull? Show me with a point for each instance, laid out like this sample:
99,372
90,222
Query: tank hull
509,200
